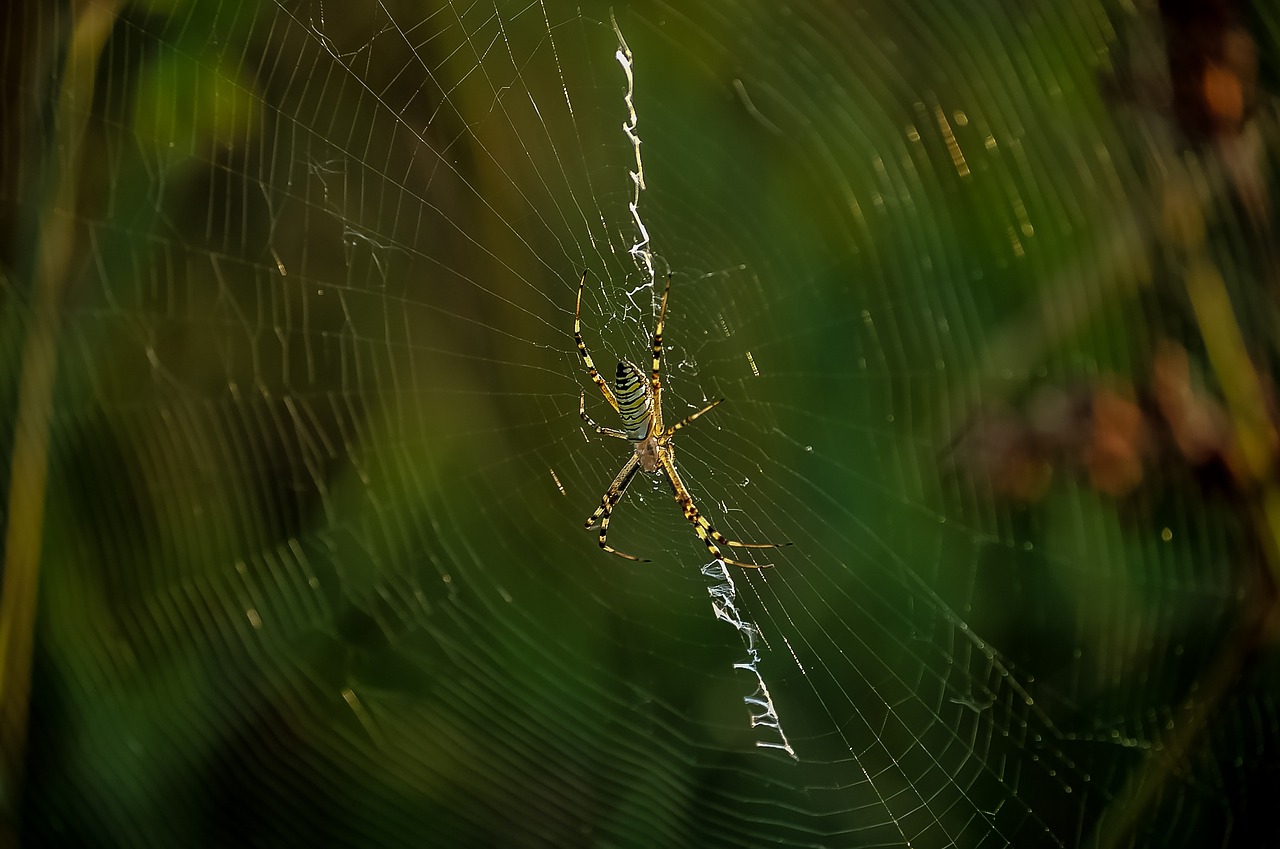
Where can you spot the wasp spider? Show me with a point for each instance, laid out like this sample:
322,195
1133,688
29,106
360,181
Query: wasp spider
638,402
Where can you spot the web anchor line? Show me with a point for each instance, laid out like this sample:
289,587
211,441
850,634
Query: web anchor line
724,594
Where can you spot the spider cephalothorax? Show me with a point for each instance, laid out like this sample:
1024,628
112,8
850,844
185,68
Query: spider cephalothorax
638,402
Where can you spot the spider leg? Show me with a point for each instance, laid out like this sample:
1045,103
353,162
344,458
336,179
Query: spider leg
610,500
603,431
655,378
582,348
688,420
703,528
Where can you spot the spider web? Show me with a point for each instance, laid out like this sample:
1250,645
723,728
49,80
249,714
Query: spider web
313,569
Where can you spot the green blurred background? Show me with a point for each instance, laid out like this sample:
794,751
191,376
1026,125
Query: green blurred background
295,474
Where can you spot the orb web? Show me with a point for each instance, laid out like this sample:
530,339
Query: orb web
313,550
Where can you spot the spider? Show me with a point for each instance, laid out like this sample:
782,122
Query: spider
639,403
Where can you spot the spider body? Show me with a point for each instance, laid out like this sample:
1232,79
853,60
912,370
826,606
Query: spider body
638,402
635,403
